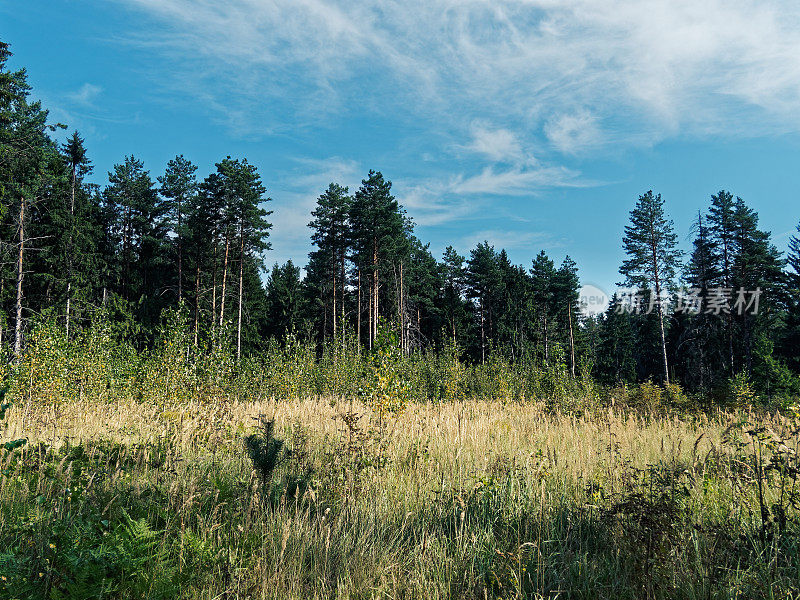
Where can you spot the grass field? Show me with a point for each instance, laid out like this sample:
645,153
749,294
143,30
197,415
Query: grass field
475,499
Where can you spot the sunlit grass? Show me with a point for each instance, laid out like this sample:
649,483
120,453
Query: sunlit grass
470,499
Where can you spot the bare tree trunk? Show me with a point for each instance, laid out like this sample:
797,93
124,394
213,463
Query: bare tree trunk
571,342
657,280
661,326
358,311
341,296
197,303
483,335
180,253
214,289
126,245
370,314
334,299
374,333
546,344
241,288
20,275
402,313
224,281
69,247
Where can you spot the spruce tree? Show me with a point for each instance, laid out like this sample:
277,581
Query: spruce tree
178,186
453,294
26,155
542,274
80,235
790,341
483,282
284,300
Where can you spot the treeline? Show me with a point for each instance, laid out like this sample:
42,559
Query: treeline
127,250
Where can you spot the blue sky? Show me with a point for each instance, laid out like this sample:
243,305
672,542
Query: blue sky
533,124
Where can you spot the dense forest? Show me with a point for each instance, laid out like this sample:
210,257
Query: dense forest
73,251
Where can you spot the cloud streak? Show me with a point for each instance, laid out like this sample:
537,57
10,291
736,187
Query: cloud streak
654,67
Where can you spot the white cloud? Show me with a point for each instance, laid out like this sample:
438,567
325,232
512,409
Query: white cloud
516,181
649,67
498,145
573,133
85,95
432,203
510,239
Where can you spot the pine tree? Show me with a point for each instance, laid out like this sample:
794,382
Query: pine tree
379,234
651,246
140,233
721,231
331,236
244,193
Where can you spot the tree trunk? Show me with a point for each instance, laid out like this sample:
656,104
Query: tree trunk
224,281
241,288
126,251
546,344
401,308
214,288
571,342
69,246
334,299
20,274
358,311
374,333
180,253
483,335
657,280
197,303
341,296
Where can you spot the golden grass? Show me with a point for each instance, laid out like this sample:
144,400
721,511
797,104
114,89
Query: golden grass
431,523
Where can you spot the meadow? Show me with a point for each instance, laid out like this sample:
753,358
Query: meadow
153,475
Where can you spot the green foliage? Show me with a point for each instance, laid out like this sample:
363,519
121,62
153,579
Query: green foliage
387,390
740,391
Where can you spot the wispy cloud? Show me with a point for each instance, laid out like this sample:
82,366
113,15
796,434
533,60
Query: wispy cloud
496,144
660,67
516,181
517,240
511,91
85,95
574,133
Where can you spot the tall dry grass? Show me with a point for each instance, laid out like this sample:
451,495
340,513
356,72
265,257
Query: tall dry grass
471,499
